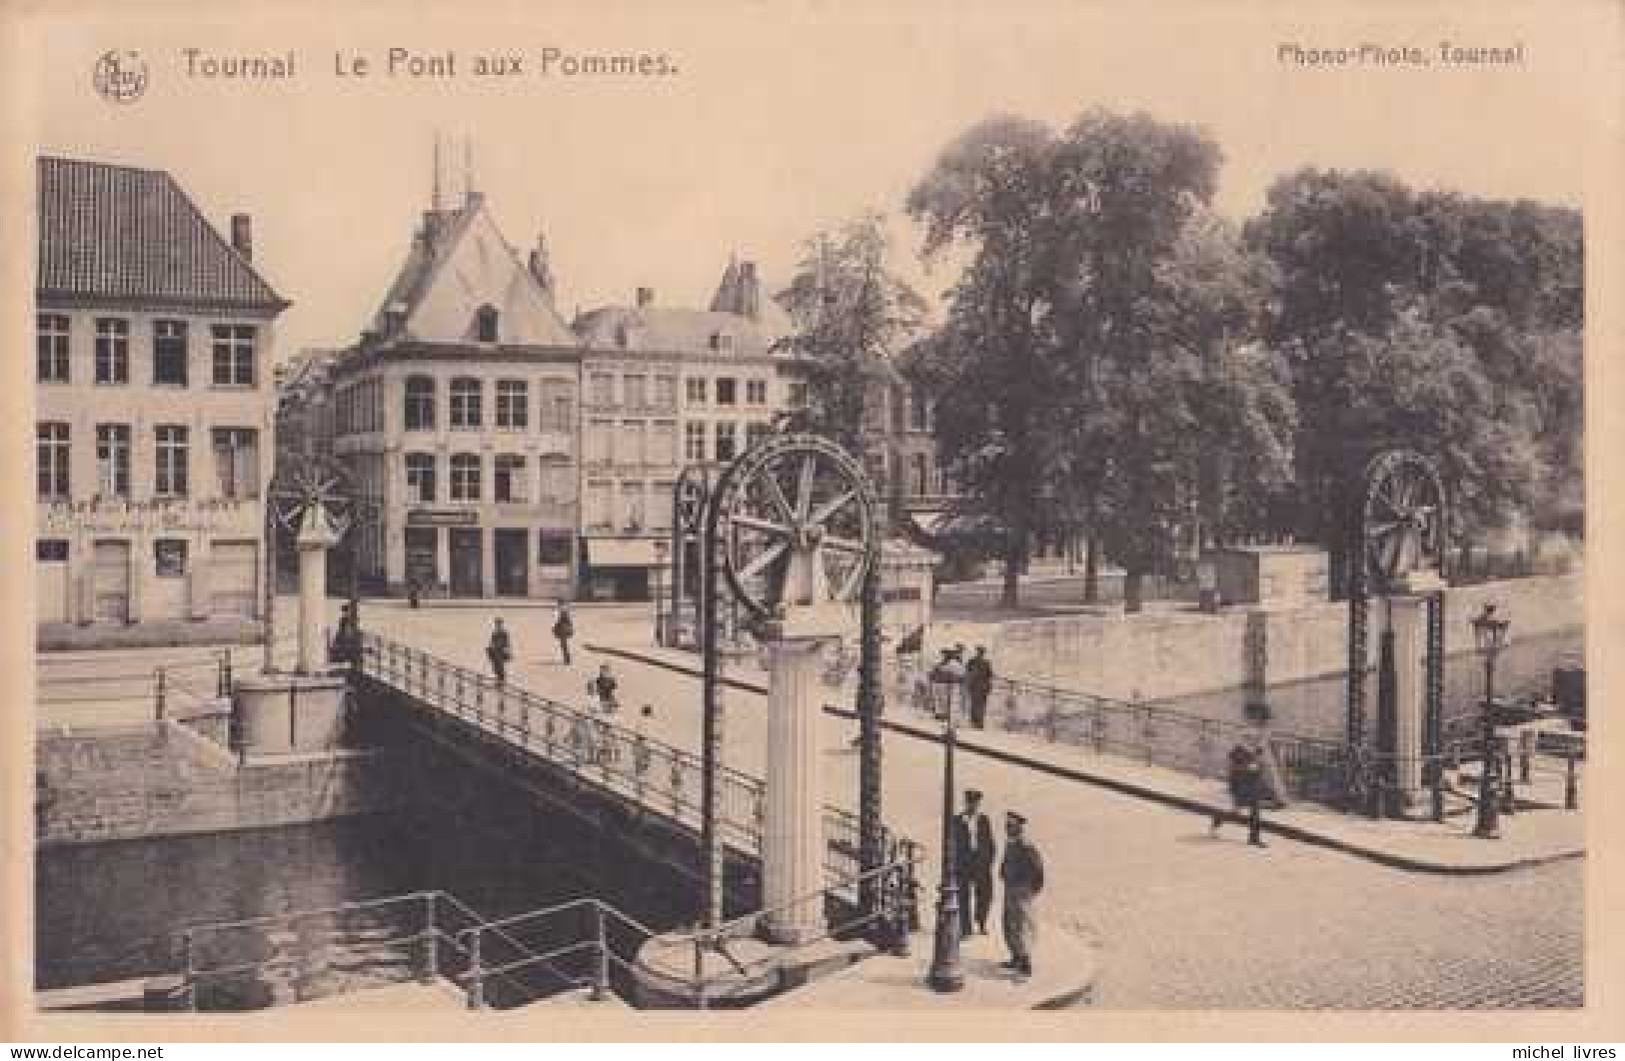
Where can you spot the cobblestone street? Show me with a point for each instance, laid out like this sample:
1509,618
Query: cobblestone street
1181,920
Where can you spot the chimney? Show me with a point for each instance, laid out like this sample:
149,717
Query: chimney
646,297
750,291
242,236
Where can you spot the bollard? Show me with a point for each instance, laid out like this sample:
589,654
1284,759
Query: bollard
476,975
600,978
430,969
1509,798
1437,789
1571,786
158,699
1526,752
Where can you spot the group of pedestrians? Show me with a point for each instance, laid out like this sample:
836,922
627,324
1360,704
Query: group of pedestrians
1021,873
499,647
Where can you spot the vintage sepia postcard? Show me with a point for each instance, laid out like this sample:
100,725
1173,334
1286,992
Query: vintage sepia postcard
781,519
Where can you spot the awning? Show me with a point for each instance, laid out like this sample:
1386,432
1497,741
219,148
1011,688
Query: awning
935,526
621,552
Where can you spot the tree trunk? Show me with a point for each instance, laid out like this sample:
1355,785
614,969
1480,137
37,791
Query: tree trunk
1133,590
1091,569
1015,556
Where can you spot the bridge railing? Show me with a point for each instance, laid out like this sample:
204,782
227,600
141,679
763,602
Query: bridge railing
625,762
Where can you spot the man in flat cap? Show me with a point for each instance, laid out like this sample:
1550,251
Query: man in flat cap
974,850
1023,875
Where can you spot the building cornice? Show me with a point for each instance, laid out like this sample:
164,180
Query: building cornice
67,300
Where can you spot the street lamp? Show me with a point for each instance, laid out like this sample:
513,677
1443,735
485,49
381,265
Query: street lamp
662,547
1490,635
947,681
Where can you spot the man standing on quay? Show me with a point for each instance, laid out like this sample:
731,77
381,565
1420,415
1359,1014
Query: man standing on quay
979,684
974,849
1022,873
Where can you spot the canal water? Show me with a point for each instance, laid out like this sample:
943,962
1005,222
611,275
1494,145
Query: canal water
112,911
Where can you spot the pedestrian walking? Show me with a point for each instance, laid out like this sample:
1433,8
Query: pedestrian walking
564,628
1022,873
346,644
1246,780
974,851
979,684
604,687
640,753
499,650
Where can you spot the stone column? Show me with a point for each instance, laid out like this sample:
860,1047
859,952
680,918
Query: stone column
1407,617
316,536
793,830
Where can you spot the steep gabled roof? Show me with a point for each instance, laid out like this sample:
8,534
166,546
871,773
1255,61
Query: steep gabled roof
671,330
123,233
460,262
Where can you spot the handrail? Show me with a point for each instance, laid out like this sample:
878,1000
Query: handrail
299,915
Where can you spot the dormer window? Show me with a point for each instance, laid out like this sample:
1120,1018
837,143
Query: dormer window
485,324
721,341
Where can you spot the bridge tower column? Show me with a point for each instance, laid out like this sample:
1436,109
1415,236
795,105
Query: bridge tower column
316,536
793,830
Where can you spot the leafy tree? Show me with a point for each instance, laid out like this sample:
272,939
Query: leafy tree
851,316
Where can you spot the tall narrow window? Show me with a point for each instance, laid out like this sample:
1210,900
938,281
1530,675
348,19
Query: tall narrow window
508,486
52,450
485,324
419,410
51,343
236,462
796,395
558,481
420,477
233,347
169,353
465,477
513,404
465,403
170,477
602,390
666,391
112,350
694,440
632,446
113,460
632,507
636,391
921,480
726,388
727,441
756,392
694,390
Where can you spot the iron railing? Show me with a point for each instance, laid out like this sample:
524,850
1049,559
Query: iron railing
626,764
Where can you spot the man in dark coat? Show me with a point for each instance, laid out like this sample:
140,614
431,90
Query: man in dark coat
564,628
979,684
499,650
346,646
974,851
604,687
1246,781
1022,873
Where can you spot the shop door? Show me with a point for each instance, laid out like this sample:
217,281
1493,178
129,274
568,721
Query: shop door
513,563
233,587
113,582
51,581
423,559
465,563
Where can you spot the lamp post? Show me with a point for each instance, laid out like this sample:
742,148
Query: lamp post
1489,634
662,547
947,681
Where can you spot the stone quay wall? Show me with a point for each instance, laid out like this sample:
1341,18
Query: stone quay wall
1210,666
165,779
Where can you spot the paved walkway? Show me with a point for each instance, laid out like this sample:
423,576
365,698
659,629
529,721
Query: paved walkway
1178,919
1532,837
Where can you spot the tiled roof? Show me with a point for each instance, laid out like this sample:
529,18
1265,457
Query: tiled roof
668,329
118,232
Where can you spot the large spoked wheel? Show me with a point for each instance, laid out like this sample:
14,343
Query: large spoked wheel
797,522
1403,518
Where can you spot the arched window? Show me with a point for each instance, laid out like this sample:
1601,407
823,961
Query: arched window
485,324
419,403
465,477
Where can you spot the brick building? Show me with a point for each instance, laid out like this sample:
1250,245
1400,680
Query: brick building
153,340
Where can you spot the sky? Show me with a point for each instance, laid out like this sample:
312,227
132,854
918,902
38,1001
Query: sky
781,119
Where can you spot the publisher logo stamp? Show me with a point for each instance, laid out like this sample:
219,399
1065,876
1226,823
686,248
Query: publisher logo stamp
120,76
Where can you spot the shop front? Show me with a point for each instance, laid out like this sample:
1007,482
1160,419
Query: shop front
621,569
